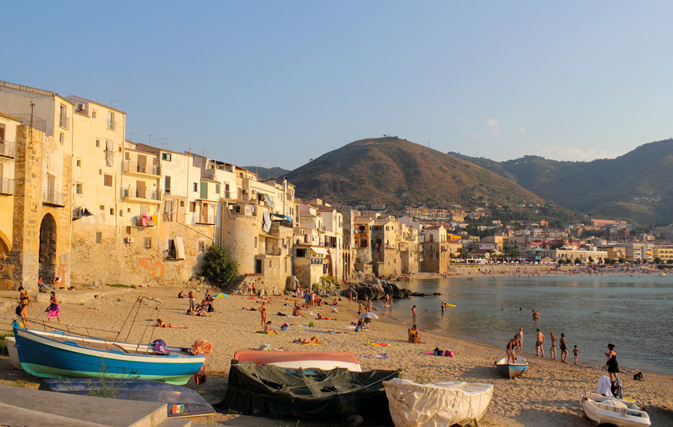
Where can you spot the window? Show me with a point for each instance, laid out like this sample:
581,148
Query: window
217,189
167,184
107,180
121,212
102,207
62,117
202,246
112,211
111,120
182,203
61,137
99,238
93,114
79,163
195,187
78,188
192,206
97,143
166,156
147,243
128,229
255,243
226,191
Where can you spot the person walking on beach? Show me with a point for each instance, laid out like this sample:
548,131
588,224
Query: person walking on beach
552,350
564,348
413,312
613,366
539,344
53,310
192,301
576,353
22,308
519,336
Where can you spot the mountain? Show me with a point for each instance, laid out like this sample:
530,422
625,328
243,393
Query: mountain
266,173
635,186
399,172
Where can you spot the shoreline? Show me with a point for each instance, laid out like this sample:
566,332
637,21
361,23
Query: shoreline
547,394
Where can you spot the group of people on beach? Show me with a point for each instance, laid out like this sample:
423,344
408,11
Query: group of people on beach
53,311
515,345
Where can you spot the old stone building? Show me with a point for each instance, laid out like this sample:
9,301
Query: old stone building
41,219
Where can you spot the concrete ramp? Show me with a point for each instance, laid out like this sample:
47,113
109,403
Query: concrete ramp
29,407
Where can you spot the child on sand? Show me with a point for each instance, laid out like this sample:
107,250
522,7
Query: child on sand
576,353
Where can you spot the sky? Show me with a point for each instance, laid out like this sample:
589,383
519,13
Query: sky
277,83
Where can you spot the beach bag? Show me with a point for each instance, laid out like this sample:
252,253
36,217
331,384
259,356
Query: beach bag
284,327
265,347
18,310
448,353
638,376
159,347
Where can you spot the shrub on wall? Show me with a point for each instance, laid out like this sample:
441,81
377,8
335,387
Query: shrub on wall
219,267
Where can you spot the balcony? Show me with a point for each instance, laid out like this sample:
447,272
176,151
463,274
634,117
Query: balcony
7,148
210,220
141,168
6,186
141,195
272,251
54,198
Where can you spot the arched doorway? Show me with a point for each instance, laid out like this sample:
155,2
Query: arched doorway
47,256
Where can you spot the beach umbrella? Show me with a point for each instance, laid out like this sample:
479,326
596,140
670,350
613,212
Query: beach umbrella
369,315
220,295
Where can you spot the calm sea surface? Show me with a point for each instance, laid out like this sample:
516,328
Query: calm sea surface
635,313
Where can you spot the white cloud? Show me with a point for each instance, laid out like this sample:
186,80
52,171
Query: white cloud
493,124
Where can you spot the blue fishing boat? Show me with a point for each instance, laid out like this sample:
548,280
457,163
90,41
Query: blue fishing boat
60,354
511,370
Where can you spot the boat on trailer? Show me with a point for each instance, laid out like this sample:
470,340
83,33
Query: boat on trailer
610,410
511,370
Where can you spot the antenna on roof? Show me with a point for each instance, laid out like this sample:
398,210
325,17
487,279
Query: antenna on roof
163,142
204,150
113,101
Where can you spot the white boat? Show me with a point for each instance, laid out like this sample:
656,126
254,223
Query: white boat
436,405
10,343
610,410
511,370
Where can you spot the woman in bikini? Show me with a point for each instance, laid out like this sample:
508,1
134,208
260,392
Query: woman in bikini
552,350
22,309
613,366
511,348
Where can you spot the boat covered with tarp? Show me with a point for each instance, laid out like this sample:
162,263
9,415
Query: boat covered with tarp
438,404
271,391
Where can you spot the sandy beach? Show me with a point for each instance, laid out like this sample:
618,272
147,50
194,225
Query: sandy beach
547,395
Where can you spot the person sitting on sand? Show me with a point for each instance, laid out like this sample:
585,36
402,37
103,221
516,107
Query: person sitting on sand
335,302
182,294
269,330
160,324
313,341
296,311
414,334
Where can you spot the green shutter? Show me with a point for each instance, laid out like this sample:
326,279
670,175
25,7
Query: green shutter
204,190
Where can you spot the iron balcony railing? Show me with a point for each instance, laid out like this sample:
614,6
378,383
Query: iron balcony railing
135,167
6,186
7,148
141,194
56,198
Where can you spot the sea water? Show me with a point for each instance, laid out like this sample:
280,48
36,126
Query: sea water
633,312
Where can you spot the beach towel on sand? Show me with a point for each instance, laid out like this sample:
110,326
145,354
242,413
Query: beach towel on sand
382,344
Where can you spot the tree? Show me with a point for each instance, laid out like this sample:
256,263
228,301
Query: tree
669,261
219,267
578,261
657,260
621,260
591,260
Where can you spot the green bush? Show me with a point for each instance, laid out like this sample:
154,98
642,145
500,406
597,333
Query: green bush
219,267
